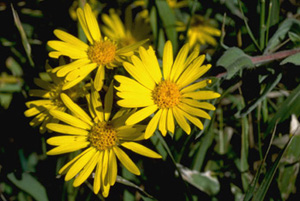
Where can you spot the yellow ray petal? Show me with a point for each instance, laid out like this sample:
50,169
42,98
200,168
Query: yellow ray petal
112,168
130,133
150,62
141,114
194,111
178,65
140,149
87,170
128,84
69,119
67,49
126,161
170,121
66,37
68,148
108,101
65,129
61,140
152,125
65,69
67,166
97,178
202,95
39,93
181,120
195,86
193,119
195,103
84,26
162,125
167,59
96,104
131,102
92,23
73,107
99,78
79,164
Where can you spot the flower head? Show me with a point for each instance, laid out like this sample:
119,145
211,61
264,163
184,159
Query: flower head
127,33
50,99
101,51
101,136
200,32
173,93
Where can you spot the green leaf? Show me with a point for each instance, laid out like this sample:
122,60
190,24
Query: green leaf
30,185
5,100
271,81
14,66
234,60
294,59
288,107
169,21
204,181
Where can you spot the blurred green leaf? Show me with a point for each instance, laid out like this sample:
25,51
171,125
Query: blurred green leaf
14,66
24,38
294,37
271,82
288,107
30,185
294,59
5,99
204,181
168,18
234,60
281,34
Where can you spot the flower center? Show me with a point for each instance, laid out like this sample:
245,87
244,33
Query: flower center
102,52
166,94
102,136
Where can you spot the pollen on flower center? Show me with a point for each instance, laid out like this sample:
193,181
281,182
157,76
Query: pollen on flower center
102,52
166,94
102,136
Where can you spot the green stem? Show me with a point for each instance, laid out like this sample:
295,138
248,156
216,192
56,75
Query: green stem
268,23
262,23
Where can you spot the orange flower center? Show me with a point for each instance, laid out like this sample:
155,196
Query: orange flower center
103,136
166,94
102,52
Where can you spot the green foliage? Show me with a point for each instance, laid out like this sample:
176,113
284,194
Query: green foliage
238,155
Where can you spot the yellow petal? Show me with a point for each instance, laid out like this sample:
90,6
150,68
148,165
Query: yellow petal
112,168
151,64
126,161
178,65
170,121
92,23
108,101
66,37
65,129
195,86
140,149
193,119
131,133
69,119
163,122
181,120
67,49
194,111
61,140
202,95
141,114
97,178
133,102
84,26
152,125
75,109
128,84
99,78
96,104
65,69
167,59
68,148
195,103
79,164
87,170
39,93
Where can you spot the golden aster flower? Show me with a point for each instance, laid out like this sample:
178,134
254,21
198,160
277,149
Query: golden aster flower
98,54
200,32
100,136
49,95
129,32
170,94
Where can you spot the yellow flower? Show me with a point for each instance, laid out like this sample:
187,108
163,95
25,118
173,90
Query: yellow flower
100,53
177,4
100,136
168,94
50,93
200,31
129,32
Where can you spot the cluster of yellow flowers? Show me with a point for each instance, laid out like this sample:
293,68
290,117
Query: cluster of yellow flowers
78,102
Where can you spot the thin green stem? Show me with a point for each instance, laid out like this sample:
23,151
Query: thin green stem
262,24
258,131
268,23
